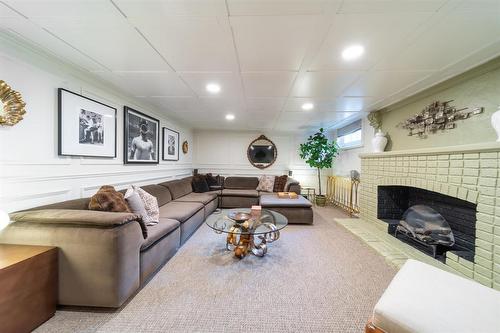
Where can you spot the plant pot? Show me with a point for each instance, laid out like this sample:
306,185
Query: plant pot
379,142
321,200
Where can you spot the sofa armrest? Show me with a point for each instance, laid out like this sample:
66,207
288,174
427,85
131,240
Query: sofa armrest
84,218
292,186
71,216
99,252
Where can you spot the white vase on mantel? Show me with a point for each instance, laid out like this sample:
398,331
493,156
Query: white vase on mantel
379,142
495,122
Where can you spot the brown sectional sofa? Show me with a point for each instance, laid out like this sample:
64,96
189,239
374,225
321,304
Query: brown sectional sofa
104,257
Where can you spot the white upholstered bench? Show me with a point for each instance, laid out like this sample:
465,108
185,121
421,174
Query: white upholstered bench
424,299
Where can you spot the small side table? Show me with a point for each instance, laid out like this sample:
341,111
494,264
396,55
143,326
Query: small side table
28,286
310,193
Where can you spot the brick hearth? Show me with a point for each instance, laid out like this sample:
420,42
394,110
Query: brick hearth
469,173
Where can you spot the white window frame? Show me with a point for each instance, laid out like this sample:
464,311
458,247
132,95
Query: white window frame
356,144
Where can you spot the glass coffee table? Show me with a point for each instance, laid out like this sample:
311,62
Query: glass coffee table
246,233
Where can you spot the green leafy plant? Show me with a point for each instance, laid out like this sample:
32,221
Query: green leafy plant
319,152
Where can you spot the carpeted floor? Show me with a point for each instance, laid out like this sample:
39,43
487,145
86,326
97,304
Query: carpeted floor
316,278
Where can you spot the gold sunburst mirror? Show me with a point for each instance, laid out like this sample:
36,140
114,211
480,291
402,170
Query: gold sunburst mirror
13,105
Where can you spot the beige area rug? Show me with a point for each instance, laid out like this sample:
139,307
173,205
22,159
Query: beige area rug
317,278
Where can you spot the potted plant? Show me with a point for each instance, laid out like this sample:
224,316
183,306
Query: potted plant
319,153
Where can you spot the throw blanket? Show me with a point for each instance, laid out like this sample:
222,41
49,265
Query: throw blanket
107,199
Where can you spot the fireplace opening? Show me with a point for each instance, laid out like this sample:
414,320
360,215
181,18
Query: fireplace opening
429,221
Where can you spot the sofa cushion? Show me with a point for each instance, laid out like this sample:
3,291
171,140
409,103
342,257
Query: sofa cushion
149,209
240,193
213,180
180,211
249,183
423,298
179,187
272,200
204,198
200,184
266,183
280,183
161,193
158,231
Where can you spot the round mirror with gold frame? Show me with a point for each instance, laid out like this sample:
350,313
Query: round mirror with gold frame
262,152
12,105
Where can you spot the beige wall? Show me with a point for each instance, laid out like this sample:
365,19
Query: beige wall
477,87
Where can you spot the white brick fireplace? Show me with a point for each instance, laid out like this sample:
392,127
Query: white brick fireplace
469,173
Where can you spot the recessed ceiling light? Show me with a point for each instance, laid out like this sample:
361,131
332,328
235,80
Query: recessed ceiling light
213,88
229,116
353,52
307,106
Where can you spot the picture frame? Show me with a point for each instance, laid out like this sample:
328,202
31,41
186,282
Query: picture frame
170,145
86,127
140,138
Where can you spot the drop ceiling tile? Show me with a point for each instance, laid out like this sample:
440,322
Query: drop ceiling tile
190,43
294,126
268,84
63,8
178,104
375,32
33,34
275,7
222,105
329,117
265,104
6,12
341,104
272,43
113,43
348,104
148,83
229,83
303,116
385,6
166,8
457,36
382,84
323,84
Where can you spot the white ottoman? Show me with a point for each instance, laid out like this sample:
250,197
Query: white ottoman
425,299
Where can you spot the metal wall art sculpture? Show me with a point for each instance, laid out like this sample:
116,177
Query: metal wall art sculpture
13,105
437,116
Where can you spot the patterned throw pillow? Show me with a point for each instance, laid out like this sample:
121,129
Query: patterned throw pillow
152,211
279,183
266,183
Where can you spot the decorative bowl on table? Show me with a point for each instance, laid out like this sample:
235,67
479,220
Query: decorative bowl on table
239,217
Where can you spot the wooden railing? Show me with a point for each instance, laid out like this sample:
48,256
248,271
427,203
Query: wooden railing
343,192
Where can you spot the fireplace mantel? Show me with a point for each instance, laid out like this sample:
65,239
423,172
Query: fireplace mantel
474,148
467,172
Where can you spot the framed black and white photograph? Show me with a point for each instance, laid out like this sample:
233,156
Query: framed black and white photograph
170,145
86,127
141,137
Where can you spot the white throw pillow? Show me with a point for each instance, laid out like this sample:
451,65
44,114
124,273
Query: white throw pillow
151,204
143,204
135,203
266,183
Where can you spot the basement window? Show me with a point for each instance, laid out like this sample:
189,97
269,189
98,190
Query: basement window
350,136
